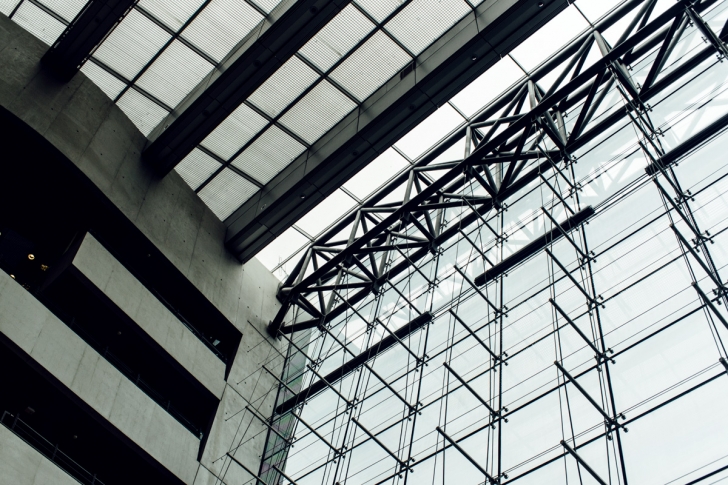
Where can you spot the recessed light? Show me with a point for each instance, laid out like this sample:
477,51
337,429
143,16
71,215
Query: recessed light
31,257
12,276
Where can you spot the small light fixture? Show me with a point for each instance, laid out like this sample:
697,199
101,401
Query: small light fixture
540,4
215,342
44,267
474,58
31,257
12,276
303,196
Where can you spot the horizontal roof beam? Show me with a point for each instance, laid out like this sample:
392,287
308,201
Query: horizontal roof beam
286,29
90,27
467,50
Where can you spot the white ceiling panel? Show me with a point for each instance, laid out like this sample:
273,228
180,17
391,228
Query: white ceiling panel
370,66
422,22
337,38
317,112
38,23
174,13
196,168
285,85
221,25
226,192
379,9
108,83
176,72
68,9
268,155
143,112
132,44
234,132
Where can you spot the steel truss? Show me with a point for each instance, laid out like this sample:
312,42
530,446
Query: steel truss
523,139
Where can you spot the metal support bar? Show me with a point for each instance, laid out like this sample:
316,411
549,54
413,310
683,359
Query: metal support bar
708,271
323,379
600,355
475,246
467,386
455,445
278,379
246,469
368,367
292,482
267,424
610,420
592,301
584,257
402,464
317,434
477,290
417,358
725,364
582,463
710,305
470,331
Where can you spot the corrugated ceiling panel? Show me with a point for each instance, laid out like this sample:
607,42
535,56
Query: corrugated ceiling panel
174,13
267,5
234,132
422,22
221,25
108,83
38,23
317,112
196,168
131,44
174,73
7,6
379,9
68,9
370,66
287,83
145,113
337,38
226,192
268,155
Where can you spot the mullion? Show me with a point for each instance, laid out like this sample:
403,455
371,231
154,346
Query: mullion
49,11
141,91
381,25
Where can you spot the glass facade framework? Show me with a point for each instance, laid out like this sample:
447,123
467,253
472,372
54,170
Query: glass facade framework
546,308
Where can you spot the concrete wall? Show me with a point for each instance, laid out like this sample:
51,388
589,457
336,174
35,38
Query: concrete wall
33,328
21,464
99,139
139,304
83,123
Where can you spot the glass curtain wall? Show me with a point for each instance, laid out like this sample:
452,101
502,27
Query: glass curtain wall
546,307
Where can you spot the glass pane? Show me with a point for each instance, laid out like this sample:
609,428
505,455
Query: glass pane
68,9
549,38
283,246
376,173
326,212
488,86
174,13
430,131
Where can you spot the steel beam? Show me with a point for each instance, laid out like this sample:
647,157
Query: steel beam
353,364
90,27
464,52
286,29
